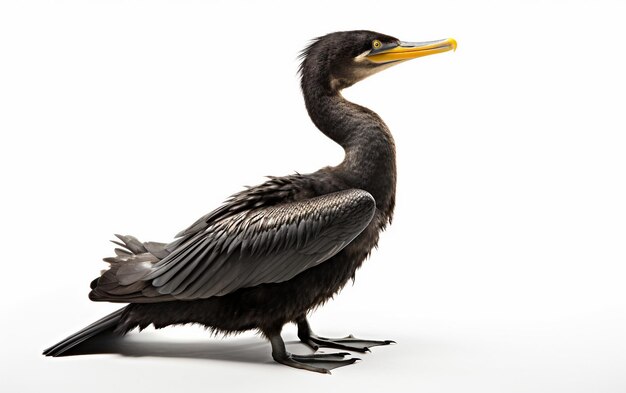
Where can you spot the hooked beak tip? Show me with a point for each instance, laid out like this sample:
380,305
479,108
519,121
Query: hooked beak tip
452,44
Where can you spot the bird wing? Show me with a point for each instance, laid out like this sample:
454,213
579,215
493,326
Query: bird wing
250,247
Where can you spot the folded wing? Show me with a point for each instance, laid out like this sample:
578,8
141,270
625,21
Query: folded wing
252,247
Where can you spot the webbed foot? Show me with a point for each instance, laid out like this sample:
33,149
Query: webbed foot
349,343
318,362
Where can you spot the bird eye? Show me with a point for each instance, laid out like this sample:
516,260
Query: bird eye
376,44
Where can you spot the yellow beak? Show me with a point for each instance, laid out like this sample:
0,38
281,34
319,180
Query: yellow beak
411,50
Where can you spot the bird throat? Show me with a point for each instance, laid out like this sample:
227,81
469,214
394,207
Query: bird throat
370,158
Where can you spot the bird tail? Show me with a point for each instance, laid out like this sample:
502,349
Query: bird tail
104,325
133,252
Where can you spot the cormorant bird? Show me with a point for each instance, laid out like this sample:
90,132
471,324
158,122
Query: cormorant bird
275,251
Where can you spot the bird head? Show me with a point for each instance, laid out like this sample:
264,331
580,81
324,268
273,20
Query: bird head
339,60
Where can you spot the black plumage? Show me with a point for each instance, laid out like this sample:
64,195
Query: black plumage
275,251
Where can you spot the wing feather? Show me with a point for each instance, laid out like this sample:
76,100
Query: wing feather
239,246
281,245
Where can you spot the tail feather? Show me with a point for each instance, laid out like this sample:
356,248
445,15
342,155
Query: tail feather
129,257
105,324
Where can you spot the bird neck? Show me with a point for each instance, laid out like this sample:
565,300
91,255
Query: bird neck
370,157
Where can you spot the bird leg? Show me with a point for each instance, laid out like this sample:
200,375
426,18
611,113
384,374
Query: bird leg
349,343
319,362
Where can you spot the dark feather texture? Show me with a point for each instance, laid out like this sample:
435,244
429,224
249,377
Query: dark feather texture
242,249
103,325
273,252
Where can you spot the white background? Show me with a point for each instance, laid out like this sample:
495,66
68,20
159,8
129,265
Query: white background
503,271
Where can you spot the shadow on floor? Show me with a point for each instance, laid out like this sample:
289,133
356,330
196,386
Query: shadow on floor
247,350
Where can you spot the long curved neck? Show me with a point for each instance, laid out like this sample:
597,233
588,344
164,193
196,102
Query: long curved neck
370,156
